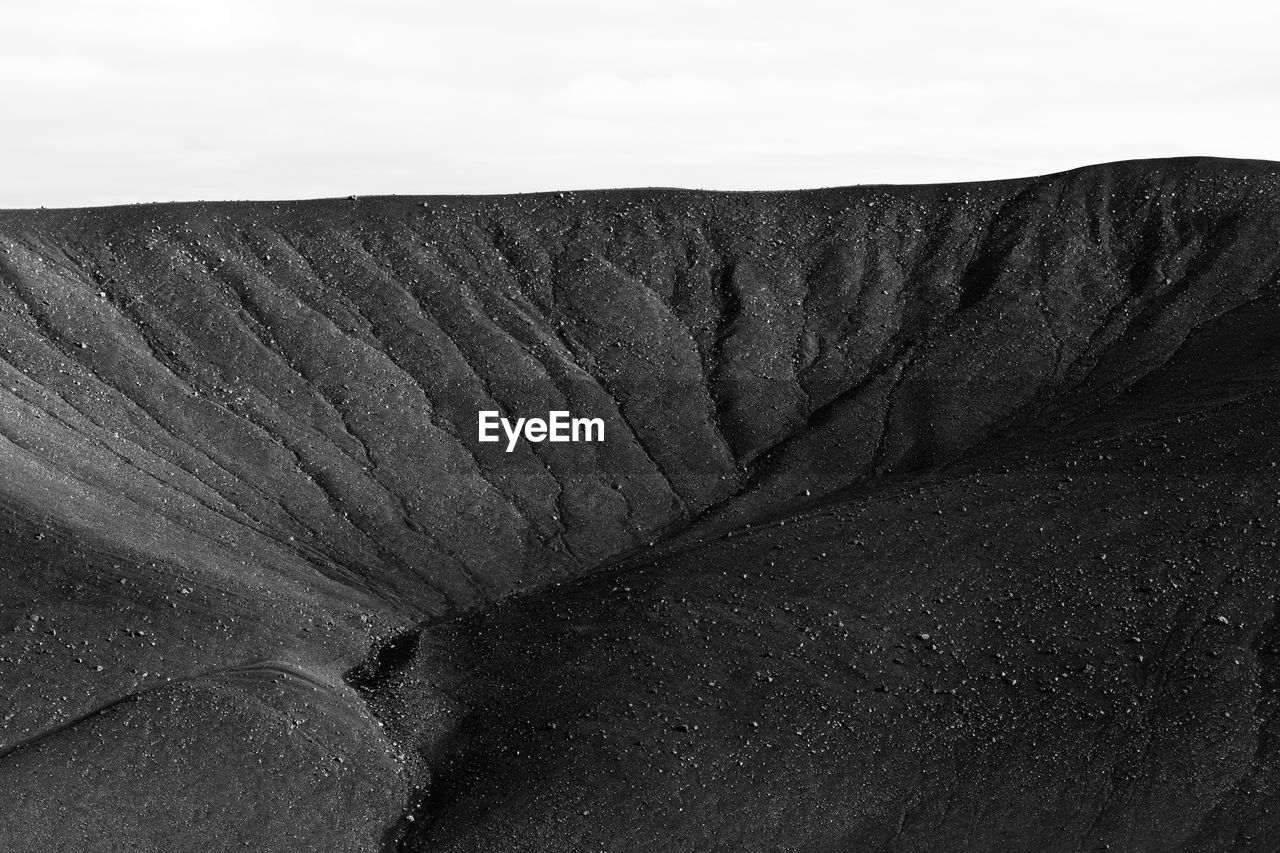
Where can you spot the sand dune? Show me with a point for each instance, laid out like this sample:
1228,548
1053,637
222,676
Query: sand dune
928,518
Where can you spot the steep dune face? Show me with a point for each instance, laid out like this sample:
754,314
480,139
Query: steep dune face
236,433
307,376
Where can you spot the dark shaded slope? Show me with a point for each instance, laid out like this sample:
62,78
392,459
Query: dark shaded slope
1066,646
236,433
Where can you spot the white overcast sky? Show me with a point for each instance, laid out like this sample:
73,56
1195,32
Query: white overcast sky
109,102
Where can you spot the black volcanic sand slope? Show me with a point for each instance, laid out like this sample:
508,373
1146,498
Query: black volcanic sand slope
927,518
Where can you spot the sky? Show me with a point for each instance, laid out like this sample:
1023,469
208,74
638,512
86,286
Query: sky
120,101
